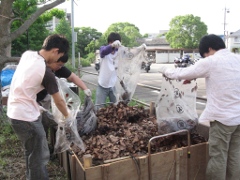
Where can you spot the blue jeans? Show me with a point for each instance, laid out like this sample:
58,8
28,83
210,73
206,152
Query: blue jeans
33,138
102,94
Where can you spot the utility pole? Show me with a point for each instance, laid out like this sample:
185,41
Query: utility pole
73,34
224,24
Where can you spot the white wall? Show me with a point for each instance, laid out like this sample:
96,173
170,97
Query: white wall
168,56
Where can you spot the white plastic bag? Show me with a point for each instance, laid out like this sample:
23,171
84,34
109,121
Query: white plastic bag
67,132
129,69
176,106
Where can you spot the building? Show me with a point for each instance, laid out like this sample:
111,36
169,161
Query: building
52,24
159,50
233,42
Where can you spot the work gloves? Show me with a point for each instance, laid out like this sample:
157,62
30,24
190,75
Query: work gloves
87,92
116,44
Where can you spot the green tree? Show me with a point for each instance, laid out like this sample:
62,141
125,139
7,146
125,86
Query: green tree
129,33
10,15
87,40
64,28
186,31
32,39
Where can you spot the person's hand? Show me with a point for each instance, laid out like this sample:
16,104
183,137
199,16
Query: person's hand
162,69
143,46
116,44
68,120
42,109
88,92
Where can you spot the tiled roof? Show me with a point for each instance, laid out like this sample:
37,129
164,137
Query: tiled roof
154,41
237,33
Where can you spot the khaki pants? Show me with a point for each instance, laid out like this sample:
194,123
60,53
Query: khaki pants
224,152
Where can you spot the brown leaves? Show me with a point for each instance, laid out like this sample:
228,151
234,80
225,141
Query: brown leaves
124,131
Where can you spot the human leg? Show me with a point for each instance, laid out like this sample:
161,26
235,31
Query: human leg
233,163
112,96
101,96
219,138
33,138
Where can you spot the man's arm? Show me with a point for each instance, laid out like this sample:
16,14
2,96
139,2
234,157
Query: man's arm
105,50
76,80
60,103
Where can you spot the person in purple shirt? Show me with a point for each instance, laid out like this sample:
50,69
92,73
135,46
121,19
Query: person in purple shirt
107,73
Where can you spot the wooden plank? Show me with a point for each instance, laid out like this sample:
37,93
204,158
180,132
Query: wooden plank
171,165
59,155
79,169
143,161
163,165
123,170
72,164
198,161
181,164
65,161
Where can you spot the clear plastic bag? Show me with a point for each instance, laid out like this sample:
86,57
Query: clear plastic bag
67,132
176,106
86,118
129,69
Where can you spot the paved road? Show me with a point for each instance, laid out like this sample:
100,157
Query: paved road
152,78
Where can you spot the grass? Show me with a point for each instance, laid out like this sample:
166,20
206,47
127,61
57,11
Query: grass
12,161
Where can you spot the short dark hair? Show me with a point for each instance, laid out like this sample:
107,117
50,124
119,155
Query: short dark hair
113,37
56,41
63,59
210,41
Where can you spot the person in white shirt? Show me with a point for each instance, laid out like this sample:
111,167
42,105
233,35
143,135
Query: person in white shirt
107,74
221,70
31,76
44,99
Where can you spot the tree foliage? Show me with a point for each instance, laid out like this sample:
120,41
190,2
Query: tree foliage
186,31
15,10
87,40
37,32
129,33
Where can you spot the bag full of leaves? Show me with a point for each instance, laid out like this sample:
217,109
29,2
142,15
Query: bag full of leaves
86,118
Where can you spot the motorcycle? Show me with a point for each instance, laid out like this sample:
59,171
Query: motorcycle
183,62
97,65
146,65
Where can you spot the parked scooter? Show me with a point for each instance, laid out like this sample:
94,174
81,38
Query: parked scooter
183,62
146,65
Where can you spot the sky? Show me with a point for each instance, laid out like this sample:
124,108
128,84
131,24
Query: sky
151,16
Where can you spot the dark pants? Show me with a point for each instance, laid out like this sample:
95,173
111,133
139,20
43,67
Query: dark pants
33,138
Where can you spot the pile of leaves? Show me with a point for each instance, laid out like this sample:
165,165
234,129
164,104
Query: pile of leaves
125,131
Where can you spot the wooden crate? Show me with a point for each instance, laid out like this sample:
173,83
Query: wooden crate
172,165
64,161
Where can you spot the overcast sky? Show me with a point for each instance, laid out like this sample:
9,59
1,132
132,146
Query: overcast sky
150,16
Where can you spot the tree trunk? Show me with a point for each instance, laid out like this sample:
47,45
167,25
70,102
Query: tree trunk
6,36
